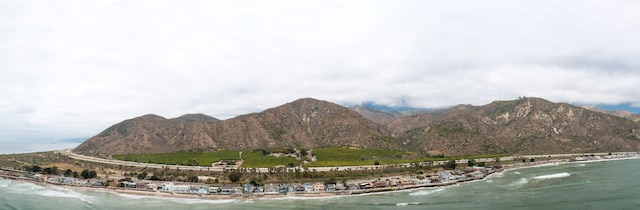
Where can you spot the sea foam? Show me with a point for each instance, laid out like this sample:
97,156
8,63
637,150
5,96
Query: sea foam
47,191
175,200
426,192
551,176
4,182
520,182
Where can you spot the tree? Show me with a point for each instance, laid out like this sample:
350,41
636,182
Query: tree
255,182
303,152
75,174
450,165
192,178
331,181
376,162
68,173
192,162
235,176
84,174
142,175
93,174
471,162
36,168
46,170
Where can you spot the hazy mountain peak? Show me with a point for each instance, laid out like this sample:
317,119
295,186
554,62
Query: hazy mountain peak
198,118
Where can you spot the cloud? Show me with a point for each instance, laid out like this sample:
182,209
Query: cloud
70,69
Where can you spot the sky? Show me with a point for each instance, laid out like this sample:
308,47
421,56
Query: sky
70,69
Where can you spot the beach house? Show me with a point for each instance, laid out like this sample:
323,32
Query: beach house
319,187
167,186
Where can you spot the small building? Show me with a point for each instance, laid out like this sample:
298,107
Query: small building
270,188
366,185
227,190
299,188
283,189
353,186
202,191
308,187
422,181
181,188
142,185
379,184
248,188
319,187
131,185
445,176
393,183
214,190
167,186
331,188
258,189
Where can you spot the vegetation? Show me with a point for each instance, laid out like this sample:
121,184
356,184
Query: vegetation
450,165
339,156
235,176
252,159
187,158
86,174
259,160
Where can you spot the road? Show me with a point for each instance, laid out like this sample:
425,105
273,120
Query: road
68,152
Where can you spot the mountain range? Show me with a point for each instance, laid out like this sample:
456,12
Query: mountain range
522,126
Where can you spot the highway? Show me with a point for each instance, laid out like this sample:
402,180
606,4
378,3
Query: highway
68,152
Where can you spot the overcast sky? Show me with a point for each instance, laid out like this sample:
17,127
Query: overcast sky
70,69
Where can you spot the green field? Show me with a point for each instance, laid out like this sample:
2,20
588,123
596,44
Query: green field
251,159
182,158
257,160
338,156
326,157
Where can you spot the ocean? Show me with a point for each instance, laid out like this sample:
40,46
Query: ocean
578,185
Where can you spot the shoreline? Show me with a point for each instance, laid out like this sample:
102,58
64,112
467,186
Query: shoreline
315,195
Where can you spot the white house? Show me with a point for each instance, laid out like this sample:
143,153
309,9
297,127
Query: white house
181,188
167,186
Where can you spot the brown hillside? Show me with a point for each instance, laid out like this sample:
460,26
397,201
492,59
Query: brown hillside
523,126
304,123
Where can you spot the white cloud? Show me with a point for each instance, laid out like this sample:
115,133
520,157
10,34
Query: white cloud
70,69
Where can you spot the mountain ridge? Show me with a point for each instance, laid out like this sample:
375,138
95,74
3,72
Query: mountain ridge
526,125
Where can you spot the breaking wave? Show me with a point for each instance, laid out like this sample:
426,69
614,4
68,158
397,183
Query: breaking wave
4,182
406,204
48,191
551,176
174,200
426,192
520,182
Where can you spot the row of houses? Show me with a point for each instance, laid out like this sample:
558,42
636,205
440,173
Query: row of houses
304,188
250,190
610,156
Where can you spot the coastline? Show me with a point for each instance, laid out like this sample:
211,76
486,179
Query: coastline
320,195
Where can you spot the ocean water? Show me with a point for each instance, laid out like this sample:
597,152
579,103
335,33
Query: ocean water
583,185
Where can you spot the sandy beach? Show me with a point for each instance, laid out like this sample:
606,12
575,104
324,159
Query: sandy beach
313,195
